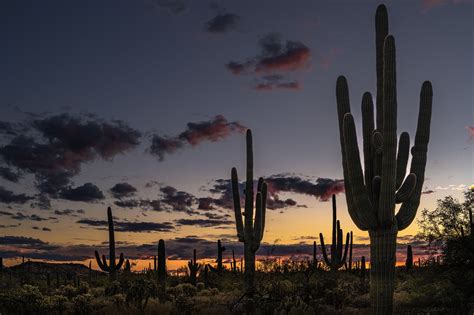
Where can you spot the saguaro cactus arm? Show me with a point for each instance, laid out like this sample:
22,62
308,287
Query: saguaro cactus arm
407,211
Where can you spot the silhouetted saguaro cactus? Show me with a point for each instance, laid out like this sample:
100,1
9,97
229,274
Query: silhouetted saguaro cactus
112,267
338,259
220,249
362,267
193,269
161,262
234,263
350,252
127,268
315,259
1,264
372,195
409,260
252,233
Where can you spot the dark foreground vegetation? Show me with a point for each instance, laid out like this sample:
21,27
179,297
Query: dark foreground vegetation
288,287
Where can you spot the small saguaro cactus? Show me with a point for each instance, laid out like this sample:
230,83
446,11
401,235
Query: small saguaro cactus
193,269
220,249
1,263
315,259
409,260
338,259
128,267
362,266
372,194
234,263
112,267
154,263
349,263
252,233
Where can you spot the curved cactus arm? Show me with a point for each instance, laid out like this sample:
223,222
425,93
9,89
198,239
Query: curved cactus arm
237,210
249,187
407,211
402,157
102,265
355,177
407,188
120,262
368,129
323,250
386,210
343,107
264,208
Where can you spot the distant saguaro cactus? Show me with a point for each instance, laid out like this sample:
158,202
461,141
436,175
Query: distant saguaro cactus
362,266
161,262
349,263
338,259
112,267
193,269
251,235
1,264
234,263
220,249
315,259
372,195
127,267
409,260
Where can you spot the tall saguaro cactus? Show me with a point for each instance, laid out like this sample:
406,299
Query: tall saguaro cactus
112,267
338,259
252,233
373,194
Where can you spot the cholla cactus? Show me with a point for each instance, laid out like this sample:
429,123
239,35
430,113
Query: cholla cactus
112,267
372,195
252,233
337,258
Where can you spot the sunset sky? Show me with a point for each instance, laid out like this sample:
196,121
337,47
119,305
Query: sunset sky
142,106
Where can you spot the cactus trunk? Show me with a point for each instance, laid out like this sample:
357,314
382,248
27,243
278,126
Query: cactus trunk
382,269
249,274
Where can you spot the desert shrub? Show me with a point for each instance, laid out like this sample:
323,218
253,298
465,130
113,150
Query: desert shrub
112,288
82,304
183,289
67,290
140,291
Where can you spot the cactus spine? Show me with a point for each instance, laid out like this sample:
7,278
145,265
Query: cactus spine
338,259
409,260
112,267
193,269
371,204
252,233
